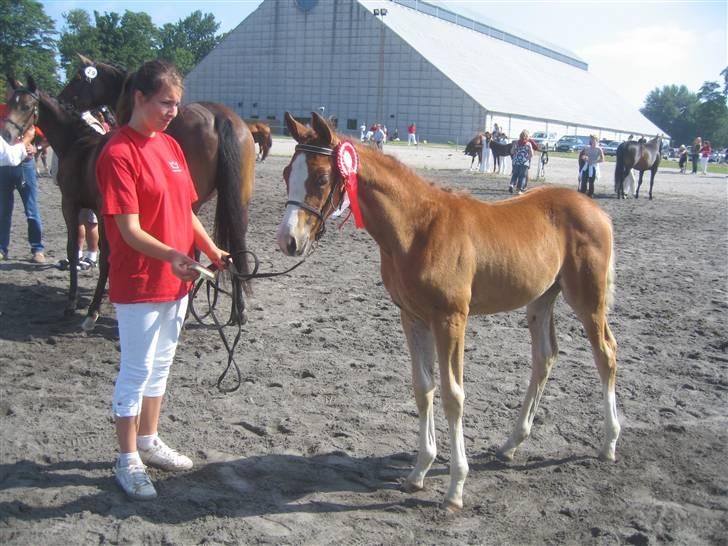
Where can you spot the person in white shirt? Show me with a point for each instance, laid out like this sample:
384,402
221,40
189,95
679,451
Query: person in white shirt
11,155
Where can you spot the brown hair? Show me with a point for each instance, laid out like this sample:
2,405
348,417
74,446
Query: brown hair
149,79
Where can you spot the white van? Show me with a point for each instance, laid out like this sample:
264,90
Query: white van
545,141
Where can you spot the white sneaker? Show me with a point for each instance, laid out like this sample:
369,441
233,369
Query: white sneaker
160,455
135,482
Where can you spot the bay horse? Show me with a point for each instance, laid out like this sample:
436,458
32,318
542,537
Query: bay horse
500,150
446,255
77,146
217,145
641,156
474,148
262,137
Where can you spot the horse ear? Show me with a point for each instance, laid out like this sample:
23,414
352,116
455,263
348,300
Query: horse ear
31,84
12,82
84,60
322,128
297,130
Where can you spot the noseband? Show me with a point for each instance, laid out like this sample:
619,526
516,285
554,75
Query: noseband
318,213
34,116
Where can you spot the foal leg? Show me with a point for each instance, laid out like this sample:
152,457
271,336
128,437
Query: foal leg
652,181
543,354
588,298
450,342
422,352
639,185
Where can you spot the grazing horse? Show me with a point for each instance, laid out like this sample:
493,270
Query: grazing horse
77,145
217,145
641,156
262,137
445,255
500,150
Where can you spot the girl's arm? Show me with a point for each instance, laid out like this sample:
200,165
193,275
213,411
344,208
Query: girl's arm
206,245
143,242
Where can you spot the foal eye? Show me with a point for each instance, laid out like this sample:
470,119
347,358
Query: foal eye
323,180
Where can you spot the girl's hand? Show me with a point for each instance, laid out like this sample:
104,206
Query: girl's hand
217,256
181,266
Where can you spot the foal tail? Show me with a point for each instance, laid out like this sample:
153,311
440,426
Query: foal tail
231,216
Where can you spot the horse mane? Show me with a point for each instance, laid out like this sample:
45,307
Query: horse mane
86,137
379,165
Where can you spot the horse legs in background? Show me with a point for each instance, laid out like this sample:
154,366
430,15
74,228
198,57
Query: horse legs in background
92,314
70,215
639,185
653,172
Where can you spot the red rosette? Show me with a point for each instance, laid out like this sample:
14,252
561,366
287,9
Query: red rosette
347,161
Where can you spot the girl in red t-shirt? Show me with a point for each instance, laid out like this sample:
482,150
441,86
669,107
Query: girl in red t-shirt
147,195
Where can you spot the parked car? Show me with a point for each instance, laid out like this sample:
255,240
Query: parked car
609,147
572,143
545,141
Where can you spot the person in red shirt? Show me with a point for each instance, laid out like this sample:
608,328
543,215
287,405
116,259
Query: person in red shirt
147,195
412,134
705,151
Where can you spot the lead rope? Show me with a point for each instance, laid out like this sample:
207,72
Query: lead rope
213,290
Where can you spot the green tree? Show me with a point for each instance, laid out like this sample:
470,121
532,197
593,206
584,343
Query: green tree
712,114
673,109
189,40
128,40
27,43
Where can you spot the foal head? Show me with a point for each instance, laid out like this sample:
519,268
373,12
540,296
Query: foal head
314,185
22,110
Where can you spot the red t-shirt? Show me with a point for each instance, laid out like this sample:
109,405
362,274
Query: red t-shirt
149,177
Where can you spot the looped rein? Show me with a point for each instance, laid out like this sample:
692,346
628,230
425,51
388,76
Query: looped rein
213,291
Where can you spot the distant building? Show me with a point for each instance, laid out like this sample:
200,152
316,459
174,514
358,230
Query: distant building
403,61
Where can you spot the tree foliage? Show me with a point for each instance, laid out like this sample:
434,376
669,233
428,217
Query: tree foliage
188,41
27,42
685,115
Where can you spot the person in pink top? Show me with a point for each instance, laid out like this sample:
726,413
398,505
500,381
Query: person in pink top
147,196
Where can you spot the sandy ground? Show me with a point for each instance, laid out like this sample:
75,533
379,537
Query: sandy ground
312,448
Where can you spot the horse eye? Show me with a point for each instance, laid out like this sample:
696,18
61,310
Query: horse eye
323,180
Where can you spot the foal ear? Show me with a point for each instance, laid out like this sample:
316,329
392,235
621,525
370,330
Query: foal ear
298,130
12,82
322,128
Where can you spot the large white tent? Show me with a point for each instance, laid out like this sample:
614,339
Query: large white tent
402,61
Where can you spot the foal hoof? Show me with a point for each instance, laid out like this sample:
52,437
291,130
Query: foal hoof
505,455
451,507
409,487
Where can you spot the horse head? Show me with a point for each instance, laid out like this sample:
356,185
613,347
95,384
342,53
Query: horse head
89,86
314,184
22,109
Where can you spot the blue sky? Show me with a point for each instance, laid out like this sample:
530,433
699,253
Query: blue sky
633,46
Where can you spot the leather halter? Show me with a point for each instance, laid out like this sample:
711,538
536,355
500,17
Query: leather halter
318,213
34,116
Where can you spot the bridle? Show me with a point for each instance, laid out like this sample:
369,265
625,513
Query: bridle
33,119
322,213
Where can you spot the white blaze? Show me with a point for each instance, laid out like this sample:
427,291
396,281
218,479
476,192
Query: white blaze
290,226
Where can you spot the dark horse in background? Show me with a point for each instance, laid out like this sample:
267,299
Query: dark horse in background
262,137
474,148
641,156
500,150
217,145
77,145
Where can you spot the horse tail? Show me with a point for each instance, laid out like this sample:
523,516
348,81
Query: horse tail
619,167
231,217
268,144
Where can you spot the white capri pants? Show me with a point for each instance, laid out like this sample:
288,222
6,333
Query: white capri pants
148,334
